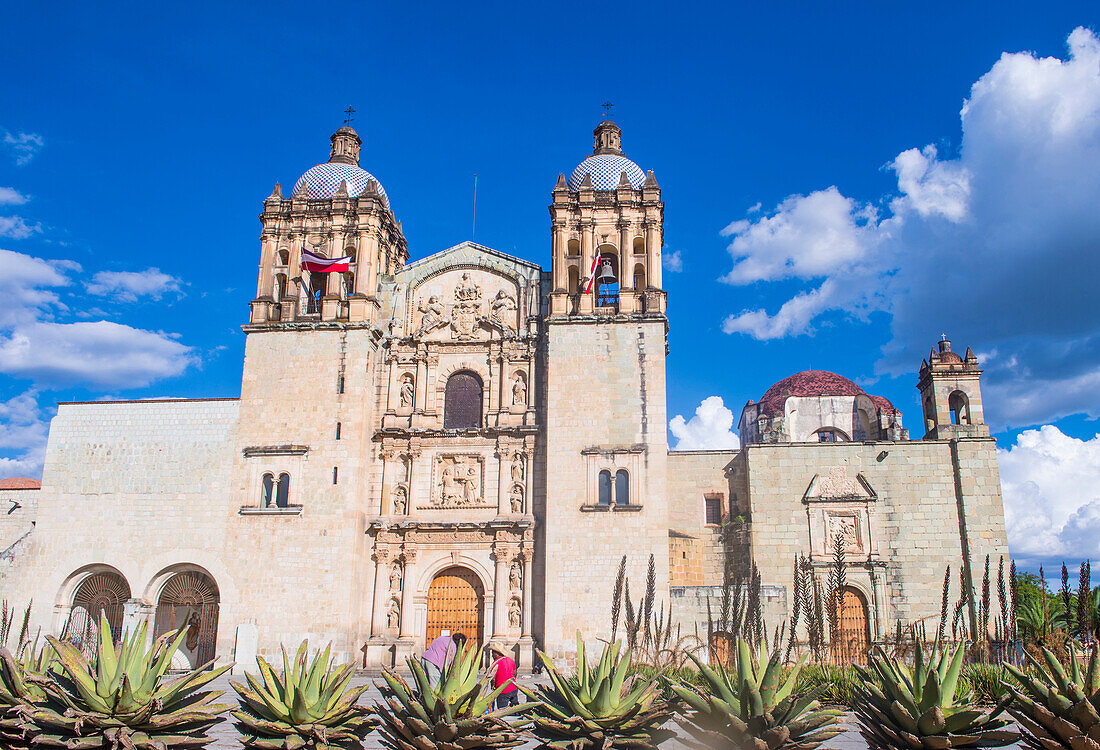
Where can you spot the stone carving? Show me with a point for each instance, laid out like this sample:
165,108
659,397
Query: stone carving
846,526
514,614
393,616
400,501
519,390
467,309
503,311
395,577
838,484
516,498
407,390
519,467
459,481
515,577
434,316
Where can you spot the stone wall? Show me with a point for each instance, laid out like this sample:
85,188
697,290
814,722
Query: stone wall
18,509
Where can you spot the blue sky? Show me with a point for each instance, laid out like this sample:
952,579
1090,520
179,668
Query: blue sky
828,202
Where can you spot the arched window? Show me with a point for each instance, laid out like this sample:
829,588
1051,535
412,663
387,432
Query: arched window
282,491
959,405
622,487
830,435
267,491
280,287
639,246
605,487
349,252
573,247
639,276
282,257
574,280
349,284
462,402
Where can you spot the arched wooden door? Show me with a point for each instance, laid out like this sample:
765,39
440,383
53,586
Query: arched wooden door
190,600
851,643
720,648
456,602
100,594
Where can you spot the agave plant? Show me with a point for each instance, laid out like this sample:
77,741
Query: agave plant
601,708
752,706
310,705
1055,709
455,714
18,693
924,707
119,700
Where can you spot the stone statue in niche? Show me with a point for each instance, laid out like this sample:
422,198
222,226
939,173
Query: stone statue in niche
459,482
400,501
519,390
503,311
519,464
395,577
516,497
515,577
514,613
407,390
393,616
433,316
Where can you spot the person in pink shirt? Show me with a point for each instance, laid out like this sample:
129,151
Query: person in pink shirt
438,655
504,672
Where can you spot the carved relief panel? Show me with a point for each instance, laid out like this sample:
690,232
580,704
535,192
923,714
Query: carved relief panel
465,305
459,481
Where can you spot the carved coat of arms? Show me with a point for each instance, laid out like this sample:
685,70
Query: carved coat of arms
467,308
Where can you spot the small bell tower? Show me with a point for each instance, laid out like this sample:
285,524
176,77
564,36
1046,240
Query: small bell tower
951,395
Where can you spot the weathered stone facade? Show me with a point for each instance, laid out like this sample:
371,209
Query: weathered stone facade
468,442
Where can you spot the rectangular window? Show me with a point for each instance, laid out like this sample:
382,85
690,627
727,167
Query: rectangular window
340,384
335,474
337,430
713,511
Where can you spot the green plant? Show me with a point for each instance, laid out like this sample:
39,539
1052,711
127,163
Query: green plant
1056,709
986,682
18,693
840,684
119,699
454,714
754,706
310,705
922,707
598,708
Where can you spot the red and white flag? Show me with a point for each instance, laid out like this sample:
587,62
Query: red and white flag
320,264
592,274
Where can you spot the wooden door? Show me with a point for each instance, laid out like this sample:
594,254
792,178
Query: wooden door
851,643
456,602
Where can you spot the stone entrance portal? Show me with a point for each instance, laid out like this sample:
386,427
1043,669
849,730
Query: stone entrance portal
851,643
456,602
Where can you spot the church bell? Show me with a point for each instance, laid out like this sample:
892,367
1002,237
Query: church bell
607,276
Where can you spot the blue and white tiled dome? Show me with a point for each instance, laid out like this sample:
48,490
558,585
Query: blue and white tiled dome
606,170
323,180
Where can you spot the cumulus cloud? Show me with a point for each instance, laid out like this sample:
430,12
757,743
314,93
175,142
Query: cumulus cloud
1051,488
128,286
23,429
12,197
23,146
711,428
995,245
673,262
17,228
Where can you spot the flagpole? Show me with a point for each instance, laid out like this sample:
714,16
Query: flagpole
473,225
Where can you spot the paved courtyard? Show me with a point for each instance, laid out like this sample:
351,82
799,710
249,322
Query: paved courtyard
227,737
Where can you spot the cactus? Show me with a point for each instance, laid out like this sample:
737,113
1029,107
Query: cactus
1056,709
310,705
18,693
752,706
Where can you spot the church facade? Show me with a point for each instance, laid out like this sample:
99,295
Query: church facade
467,442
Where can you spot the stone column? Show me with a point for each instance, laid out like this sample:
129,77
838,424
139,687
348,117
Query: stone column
626,258
557,256
381,588
500,590
420,395
407,592
653,253
367,280
504,482
527,599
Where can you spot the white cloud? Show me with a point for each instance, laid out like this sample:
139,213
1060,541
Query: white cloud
710,429
996,246
127,286
23,146
16,227
23,428
672,262
12,197
22,279
1051,488
97,353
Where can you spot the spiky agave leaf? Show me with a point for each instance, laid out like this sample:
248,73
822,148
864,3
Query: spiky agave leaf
601,708
309,705
752,706
120,698
923,707
454,714
19,693
1056,708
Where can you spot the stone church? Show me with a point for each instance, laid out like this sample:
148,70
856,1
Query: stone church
466,442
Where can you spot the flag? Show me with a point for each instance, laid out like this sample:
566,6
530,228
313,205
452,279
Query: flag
592,274
320,264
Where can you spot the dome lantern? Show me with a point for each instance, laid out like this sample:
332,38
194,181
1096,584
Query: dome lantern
608,139
345,146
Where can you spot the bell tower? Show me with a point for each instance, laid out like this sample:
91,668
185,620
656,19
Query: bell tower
606,440
951,395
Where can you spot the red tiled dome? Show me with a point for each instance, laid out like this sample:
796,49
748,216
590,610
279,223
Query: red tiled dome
20,483
814,383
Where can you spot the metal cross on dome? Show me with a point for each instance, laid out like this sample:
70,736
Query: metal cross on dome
349,115
607,105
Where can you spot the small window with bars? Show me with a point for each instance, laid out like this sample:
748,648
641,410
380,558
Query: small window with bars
713,510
